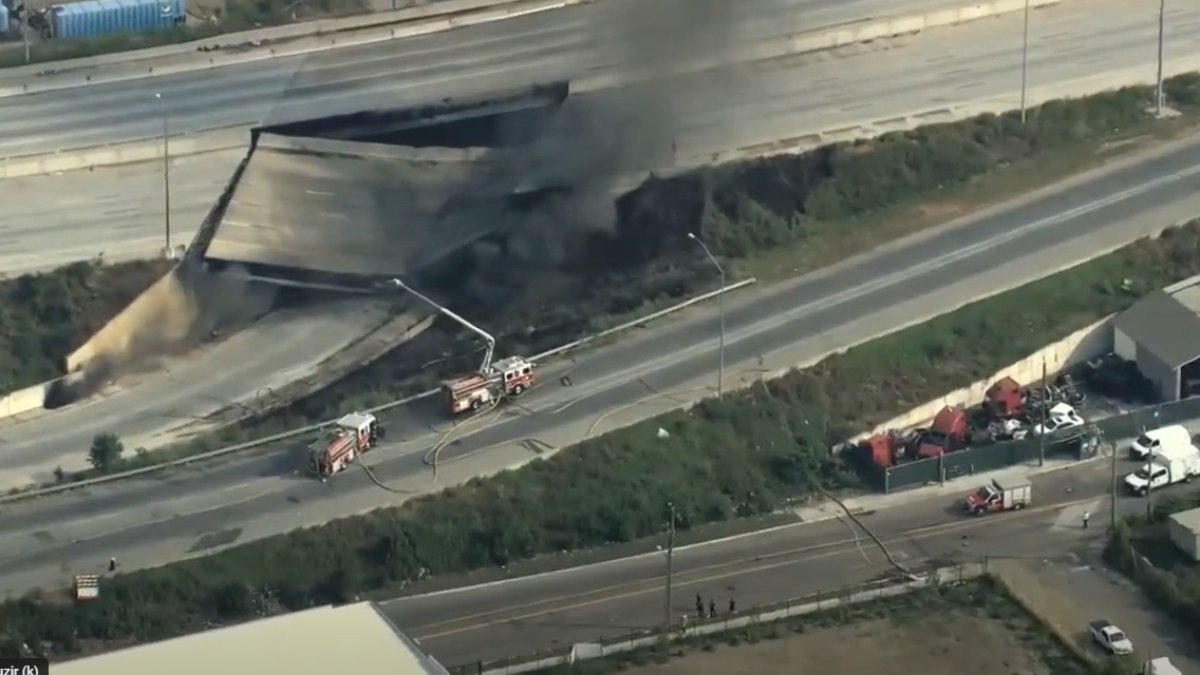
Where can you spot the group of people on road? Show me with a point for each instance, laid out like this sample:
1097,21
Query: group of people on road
712,607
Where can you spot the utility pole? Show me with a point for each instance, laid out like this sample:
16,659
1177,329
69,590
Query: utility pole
1045,404
1112,469
670,566
166,177
1159,106
721,301
1024,61
25,27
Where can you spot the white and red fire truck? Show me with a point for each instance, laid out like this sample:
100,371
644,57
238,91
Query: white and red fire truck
492,381
351,436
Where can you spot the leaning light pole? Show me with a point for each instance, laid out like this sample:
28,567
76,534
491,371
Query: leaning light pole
1024,62
721,301
166,177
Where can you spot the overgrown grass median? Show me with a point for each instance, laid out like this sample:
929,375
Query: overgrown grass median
751,453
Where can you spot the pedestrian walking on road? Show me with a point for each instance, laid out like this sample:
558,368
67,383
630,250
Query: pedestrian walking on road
732,606
712,608
112,564
1087,516
699,606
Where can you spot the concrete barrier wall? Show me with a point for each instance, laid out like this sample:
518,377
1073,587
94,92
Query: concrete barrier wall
25,400
1085,343
124,153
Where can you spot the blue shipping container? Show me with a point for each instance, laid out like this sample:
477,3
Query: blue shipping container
97,18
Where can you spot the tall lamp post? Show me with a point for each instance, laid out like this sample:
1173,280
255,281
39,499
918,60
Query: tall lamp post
721,301
1024,61
166,177
670,565
1162,14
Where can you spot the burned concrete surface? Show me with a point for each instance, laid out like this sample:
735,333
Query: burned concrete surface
348,208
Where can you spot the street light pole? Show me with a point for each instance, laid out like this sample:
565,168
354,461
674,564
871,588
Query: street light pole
721,302
166,177
1162,13
1024,61
670,566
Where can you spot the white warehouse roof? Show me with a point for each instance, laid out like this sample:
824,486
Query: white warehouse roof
354,638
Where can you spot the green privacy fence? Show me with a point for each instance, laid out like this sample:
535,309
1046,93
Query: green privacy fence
1078,443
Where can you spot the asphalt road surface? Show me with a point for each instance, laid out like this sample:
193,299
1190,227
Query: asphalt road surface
190,512
551,611
744,107
539,47
170,401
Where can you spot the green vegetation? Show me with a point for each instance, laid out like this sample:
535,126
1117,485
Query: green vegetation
105,451
750,453
981,600
45,316
1140,547
231,16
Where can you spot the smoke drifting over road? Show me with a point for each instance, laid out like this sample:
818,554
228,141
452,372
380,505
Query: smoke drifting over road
568,173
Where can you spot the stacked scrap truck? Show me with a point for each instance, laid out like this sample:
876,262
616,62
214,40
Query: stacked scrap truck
1007,412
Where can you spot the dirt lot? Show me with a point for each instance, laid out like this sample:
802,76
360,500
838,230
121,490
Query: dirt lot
951,644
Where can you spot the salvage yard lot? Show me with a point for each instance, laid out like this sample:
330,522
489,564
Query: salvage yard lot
949,644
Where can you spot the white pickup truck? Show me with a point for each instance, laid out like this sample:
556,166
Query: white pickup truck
1111,638
1167,466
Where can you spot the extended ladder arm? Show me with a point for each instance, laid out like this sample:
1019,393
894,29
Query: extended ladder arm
490,351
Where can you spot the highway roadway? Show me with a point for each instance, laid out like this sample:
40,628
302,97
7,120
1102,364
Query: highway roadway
193,511
744,107
552,611
539,47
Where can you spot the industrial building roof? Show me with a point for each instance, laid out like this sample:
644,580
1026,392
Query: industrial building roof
1189,519
1167,323
354,638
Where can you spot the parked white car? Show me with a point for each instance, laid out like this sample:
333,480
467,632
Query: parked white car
1111,638
1160,666
1060,416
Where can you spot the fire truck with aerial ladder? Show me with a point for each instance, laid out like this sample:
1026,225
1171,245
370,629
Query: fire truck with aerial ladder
351,436
492,381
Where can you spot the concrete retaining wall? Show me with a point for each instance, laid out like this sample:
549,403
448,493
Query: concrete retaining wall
123,153
25,400
1085,343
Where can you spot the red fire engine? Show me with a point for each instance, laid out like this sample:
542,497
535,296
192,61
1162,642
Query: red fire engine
492,381
351,436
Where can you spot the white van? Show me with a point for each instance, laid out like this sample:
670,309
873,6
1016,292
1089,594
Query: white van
1154,440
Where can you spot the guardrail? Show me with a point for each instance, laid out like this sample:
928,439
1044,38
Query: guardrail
779,611
220,452
125,152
